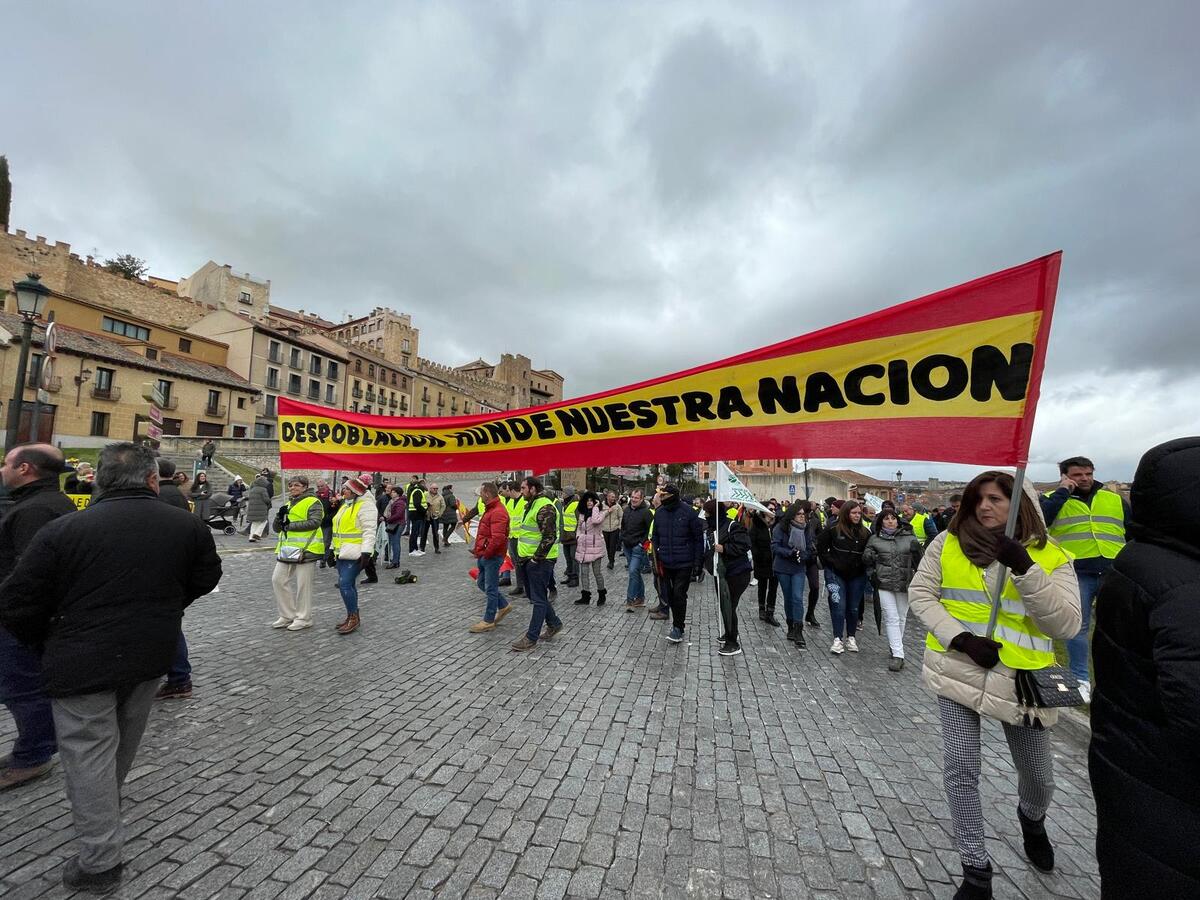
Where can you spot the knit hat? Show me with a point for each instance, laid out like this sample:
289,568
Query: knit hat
837,504
356,485
365,478
670,488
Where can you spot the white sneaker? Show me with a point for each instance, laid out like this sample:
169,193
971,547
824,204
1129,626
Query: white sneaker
417,553
837,649
281,622
300,625
1085,691
851,645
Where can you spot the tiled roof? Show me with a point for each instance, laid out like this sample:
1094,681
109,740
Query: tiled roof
307,318
851,477
95,346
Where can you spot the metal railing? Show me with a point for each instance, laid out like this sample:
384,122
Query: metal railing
106,393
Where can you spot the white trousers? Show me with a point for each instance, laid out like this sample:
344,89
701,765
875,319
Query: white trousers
293,584
895,613
257,528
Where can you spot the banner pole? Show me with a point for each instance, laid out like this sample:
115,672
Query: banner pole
1014,509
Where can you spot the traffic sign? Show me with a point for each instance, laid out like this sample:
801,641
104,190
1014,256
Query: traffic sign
900,497
155,415
50,341
792,489
712,484
47,374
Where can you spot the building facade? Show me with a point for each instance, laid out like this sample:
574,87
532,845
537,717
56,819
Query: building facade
220,287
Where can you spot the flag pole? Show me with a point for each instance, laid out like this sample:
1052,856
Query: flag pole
1014,509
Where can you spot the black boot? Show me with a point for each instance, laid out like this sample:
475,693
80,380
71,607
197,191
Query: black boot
602,598
798,640
976,884
585,597
1037,845
770,617
791,633
762,614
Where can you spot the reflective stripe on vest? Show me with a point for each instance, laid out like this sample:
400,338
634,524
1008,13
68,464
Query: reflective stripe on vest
965,596
311,541
345,525
570,522
1089,532
529,535
918,526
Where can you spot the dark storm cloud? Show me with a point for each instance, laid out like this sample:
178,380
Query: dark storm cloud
678,182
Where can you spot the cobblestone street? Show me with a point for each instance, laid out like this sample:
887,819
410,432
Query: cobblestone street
412,759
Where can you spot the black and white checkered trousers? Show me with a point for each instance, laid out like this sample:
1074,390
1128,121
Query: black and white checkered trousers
1030,749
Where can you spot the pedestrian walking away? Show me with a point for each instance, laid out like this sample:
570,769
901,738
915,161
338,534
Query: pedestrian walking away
974,675
590,548
812,572
299,547
612,527
489,549
731,542
354,527
636,520
891,558
763,559
258,507
449,517
537,543
1089,521
569,535
178,685
30,474
1146,707
103,592
791,551
840,548
678,544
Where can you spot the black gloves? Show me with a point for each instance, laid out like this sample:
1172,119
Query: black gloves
984,652
330,558
1013,554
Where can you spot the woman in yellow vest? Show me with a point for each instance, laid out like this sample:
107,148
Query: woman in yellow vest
975,676
354,527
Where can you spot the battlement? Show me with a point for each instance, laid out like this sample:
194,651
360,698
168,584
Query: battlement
450,373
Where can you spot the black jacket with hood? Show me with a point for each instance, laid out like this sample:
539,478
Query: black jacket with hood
1145,751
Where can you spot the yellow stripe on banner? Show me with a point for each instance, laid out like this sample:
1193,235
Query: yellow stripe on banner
960,371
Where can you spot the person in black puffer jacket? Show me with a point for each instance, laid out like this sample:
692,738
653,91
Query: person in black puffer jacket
840,548
731,541
1144,759
764,565
678,544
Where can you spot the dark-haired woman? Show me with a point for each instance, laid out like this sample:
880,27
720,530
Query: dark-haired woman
812,573
731,540
201,494
789,543
892,556
764,564
840,547
974,675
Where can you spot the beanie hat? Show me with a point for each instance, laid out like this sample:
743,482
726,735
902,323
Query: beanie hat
365,478
166,468
356,485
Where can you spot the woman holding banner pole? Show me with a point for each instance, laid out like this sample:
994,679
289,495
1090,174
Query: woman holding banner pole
975,675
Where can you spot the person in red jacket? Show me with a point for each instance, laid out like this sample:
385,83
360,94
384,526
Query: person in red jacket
491,545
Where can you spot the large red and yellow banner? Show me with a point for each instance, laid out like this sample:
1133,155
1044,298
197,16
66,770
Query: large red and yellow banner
950,377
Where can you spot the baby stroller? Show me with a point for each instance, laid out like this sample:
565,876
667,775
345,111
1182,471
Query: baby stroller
222,514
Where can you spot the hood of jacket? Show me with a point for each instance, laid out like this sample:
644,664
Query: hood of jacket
1165,498
263,482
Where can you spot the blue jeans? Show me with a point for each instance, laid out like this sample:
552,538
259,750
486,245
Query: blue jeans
538,578
845,600
22,692
180,672
488,581
348,570
394,545
635,556
792,588
1077,647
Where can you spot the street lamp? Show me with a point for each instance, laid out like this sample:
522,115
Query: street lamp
31,299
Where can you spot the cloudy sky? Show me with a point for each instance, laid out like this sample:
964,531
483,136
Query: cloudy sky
564,178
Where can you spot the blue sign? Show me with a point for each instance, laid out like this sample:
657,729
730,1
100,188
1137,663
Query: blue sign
712,485
900,497
792,489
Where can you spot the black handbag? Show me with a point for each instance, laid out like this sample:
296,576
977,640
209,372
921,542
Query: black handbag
1048,688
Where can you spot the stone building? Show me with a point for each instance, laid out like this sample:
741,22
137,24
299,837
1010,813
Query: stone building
96,389
383,330
526,386
374,384
280,363
221,287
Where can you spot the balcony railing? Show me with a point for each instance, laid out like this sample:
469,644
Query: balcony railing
171,403
275,356
54,385
294,389
370,397
356,393
393,403
106,393
314,395
216,411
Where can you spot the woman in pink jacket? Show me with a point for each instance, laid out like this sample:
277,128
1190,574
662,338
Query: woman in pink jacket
590,550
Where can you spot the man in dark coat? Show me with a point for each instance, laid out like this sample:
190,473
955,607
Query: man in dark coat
31,475
678,543
179,676
168,490
102,592
1145,752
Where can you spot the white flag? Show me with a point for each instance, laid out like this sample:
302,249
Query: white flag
731,490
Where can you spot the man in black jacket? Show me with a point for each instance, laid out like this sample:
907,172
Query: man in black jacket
179,677
31,475
678,544
103,591
635,531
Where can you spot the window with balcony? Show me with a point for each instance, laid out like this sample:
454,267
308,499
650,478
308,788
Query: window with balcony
214,407
102,388
294,359
358,365
424,409
164,388
274,352
333,371
404,382
314,389
356,392
371,370
293,383
273,379
393,379
315,365
124,329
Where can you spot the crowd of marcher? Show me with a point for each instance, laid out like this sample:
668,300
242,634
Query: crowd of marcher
91,610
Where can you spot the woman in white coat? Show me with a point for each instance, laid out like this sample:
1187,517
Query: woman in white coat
354,527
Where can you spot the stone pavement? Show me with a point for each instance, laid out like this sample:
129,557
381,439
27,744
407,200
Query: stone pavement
413,759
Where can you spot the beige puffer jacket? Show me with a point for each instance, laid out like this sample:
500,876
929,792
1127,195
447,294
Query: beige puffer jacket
1052,601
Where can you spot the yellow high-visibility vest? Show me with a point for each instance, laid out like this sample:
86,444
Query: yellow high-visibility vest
345,525
310,541
528,535
1091,531
966,596
570,522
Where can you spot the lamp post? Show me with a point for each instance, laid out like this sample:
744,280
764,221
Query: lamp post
807,489
31,298
899,474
